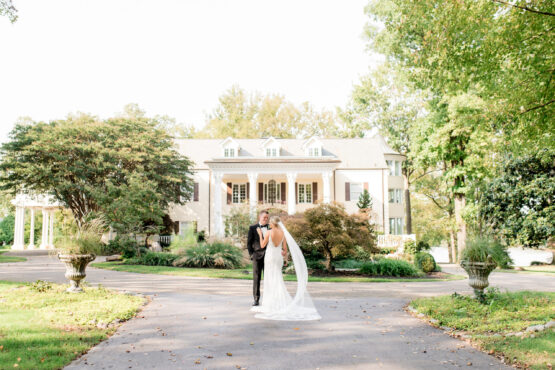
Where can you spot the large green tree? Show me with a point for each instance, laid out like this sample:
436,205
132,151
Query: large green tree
519,204
124,168
487,69
242,115
501,51
384,100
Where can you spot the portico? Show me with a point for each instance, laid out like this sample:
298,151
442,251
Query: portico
48,206
290,186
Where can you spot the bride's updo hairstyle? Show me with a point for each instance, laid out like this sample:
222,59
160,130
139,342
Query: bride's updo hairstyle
274,220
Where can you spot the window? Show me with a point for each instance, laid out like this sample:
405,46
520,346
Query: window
239,194
395,196
305,193
394,168
272,192
314,152
229,152
396,226
356,189
271,152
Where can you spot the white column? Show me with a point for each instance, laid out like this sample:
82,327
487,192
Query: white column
51,230
44,236
291,199
19,229
326,178
218,220
253,192
32,231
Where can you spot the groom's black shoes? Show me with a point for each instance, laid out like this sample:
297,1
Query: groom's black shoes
256,303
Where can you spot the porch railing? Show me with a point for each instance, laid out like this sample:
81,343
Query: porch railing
394,241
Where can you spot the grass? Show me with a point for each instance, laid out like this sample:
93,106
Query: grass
240,274
6,259
47,330
504,313
549,269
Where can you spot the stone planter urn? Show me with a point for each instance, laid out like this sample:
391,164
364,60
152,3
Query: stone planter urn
478,273
75,269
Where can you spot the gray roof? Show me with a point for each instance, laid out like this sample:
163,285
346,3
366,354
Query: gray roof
353,153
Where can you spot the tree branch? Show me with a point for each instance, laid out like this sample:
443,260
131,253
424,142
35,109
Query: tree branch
524,8
538,106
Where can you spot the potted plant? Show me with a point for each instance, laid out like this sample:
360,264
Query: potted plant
479,259
76,250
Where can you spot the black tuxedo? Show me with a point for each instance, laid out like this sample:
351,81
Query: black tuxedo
257,256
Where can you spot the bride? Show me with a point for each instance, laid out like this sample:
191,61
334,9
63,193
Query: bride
277,304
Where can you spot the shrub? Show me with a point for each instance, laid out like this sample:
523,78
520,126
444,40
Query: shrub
387,250
362,254
184,241
389,267
478,250
315,265
217,254
153,259
425,262
332,231
412,247
128,247
7,226
349,264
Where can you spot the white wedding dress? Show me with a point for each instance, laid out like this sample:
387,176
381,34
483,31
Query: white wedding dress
276,302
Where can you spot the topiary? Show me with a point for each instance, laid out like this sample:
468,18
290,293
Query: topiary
425,262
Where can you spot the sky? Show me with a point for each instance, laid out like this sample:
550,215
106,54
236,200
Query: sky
176,57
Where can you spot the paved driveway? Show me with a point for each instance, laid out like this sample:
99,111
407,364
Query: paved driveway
193,320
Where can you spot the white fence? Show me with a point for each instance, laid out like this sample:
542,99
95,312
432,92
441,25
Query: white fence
394,241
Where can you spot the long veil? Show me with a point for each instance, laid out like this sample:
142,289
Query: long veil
301,308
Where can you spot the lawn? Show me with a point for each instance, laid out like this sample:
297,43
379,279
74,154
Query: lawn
48,329
246,274
6,259
504,313
544,269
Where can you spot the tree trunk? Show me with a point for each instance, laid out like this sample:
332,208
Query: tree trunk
452,246
460,202
329,265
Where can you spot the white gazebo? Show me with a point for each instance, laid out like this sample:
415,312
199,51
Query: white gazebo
44,203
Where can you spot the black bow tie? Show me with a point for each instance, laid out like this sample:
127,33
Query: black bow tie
266,226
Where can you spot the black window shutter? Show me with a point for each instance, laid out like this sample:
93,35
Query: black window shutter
296,193
195,192
314,192
229,192
347,191
261,192
283,193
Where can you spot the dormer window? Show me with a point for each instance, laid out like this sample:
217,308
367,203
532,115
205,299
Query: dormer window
229,152
314,152
313,147
230,148
271,147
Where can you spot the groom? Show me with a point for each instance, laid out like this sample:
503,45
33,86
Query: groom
257,253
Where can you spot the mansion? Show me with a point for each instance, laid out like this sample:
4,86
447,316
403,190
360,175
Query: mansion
292,175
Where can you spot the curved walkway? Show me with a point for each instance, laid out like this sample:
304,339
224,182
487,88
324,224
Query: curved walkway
206,323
